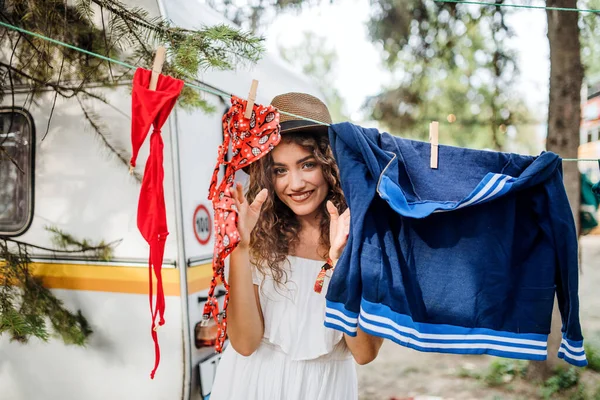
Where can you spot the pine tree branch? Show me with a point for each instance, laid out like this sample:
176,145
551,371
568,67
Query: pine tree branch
62,64
12,160
25,38
55,98
12,92
98,130
26,305
63,251
216,47
123,30
108,48
61,89
136,35
119,9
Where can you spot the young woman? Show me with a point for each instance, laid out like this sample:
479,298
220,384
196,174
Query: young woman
289,226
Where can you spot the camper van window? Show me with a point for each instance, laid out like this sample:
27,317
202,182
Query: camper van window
17,147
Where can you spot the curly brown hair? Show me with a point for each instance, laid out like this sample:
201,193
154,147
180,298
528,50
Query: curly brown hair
277,230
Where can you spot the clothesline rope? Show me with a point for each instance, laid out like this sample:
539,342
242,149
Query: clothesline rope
483,3
126,65
197,87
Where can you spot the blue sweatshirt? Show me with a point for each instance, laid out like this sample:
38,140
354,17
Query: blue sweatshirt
465,258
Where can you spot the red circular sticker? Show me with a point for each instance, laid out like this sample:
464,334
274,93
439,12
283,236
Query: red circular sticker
202,224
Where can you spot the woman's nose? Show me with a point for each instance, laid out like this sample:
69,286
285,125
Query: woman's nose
296,181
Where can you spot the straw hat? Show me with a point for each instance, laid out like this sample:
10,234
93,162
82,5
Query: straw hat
303,105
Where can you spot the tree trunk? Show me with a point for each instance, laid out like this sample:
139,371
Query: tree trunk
564,118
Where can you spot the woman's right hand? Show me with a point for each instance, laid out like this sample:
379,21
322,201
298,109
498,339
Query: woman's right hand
247,213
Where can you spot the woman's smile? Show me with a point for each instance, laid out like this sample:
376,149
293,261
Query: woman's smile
302,196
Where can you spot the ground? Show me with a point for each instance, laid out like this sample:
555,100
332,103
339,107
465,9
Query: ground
399,373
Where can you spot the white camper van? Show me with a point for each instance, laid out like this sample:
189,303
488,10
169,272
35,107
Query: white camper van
74,183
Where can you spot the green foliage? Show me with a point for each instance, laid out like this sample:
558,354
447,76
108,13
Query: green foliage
319,63
129,34
108,28
506,373
592,353
596,395
451,64
27,308
410,370
502,371
580,393
467,373
67,243
563,379
255,14
590,48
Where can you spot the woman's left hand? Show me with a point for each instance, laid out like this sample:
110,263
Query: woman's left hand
339,229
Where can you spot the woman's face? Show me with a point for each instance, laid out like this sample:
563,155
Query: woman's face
298,179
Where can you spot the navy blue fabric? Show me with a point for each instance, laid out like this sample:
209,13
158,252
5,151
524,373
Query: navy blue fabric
465,258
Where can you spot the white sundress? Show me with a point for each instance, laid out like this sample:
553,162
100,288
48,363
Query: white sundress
298,358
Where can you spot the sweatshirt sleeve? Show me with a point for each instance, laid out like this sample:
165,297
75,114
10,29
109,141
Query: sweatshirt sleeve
358,157
345,286
567,274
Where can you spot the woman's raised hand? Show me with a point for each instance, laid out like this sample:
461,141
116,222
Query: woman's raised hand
247,213
339,229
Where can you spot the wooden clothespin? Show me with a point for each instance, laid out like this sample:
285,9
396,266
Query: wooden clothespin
159,60
433,139
251,99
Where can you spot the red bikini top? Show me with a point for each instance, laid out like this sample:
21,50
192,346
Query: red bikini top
151,108
250,140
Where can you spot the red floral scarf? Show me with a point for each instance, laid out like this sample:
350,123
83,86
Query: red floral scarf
250,139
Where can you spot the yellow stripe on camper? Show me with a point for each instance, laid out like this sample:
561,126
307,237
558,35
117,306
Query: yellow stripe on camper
118,279
199,278
101,278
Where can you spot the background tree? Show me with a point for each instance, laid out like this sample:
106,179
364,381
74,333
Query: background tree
589,24
564,120
319,62
453,65
256,14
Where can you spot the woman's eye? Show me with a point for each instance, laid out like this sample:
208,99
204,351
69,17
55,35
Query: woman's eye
309,165
279,171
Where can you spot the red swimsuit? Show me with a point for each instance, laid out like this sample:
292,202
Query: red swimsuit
152,108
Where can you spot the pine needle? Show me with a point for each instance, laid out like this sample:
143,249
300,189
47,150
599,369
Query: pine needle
27,308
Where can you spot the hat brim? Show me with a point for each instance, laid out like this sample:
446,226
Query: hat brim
302,125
